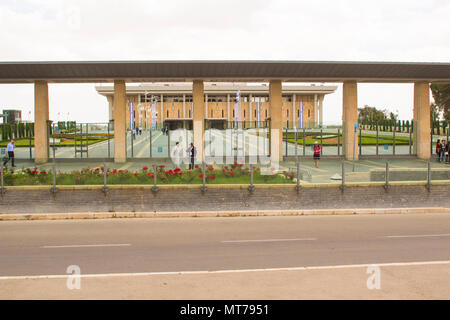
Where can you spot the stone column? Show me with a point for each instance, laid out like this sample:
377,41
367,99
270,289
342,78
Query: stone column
321,111
228,107
250,111
162,110
422,129
41,116
206,106
110,107
276,134
315,111
184,106
293,112
349,118
120,121
198,98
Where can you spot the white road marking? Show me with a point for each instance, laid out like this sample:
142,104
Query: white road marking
420,236
106,275
87,246
268,240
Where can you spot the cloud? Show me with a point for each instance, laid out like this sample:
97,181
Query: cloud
384,30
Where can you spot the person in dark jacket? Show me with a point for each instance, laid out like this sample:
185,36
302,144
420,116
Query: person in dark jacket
192,153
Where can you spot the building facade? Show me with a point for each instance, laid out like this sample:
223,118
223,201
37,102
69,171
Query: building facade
12,116
162,103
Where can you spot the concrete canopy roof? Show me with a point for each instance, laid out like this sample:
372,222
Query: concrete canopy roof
252,71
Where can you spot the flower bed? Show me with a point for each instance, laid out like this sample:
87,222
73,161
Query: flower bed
232,174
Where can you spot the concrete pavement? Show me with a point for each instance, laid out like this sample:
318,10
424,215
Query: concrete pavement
127,248
396,282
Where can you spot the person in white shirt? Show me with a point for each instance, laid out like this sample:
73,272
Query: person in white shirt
176,154
10,149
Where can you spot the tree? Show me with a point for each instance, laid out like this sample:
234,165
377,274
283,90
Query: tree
371,114
441,96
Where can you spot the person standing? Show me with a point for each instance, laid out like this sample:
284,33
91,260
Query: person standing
10,149
192,152
447,153
442,151
438,149
176,153
317,152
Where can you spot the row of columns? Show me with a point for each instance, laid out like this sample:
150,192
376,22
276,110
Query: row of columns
349,119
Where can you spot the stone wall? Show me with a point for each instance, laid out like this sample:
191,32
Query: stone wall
178,199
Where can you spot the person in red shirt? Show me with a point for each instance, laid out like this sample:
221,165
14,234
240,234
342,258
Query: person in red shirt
438,149
317,152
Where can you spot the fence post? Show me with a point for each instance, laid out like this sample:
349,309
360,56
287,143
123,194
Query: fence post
54,189
155,186
378,133
30,144
410,140
105,188
321,142
298,187
304,142
386,185
251,188
204,188
287,142
296,144
393,140
151,142
132,143
429,177
339,142
343,176
109,148
360,141
3,191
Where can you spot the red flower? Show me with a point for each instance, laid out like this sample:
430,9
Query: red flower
201,176
135,174
170,172
196,166
145,168
43,172
212,177
35,172
177,170
99,175
114,171
150,175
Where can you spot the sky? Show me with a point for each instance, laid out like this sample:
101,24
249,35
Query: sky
319,30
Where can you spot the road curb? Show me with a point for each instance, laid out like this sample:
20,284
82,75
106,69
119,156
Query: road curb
209,214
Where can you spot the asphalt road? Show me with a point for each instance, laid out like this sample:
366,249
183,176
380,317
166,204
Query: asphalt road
211,244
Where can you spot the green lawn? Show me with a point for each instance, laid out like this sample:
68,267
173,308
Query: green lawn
331,140
25,143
